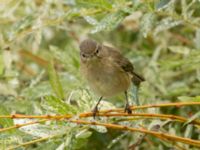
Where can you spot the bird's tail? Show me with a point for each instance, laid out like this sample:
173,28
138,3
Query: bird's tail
137,79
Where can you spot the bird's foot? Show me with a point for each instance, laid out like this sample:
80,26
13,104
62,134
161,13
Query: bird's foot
127,109
95,112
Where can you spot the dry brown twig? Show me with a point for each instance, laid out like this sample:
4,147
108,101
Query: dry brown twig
118,112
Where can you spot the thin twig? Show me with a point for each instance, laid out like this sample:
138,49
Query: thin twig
178,104
33,141
162,136
22,125
159,135
112,113
89,114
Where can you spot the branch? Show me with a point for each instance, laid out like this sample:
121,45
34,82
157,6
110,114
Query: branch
114,113
159,135
22,125
107,114
162,136
144,115
178,104
89,114
32,142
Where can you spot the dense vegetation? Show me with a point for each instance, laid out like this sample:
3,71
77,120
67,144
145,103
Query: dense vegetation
39,70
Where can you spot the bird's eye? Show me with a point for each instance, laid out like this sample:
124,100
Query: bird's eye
97,51
98,48
83,55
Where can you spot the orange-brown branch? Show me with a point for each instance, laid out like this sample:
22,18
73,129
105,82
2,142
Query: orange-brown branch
84,115
145,115
178,104
160,135
118,112
89,114
22,125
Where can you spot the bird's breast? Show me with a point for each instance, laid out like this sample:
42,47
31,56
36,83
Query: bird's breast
106,78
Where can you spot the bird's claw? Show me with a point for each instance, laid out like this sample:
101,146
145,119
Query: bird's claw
128,109
94,112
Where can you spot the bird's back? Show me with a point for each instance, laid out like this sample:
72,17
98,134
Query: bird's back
125,64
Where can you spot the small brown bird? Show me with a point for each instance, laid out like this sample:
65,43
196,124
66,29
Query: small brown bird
107,71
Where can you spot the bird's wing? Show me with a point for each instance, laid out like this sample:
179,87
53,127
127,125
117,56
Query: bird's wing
125,64
120,60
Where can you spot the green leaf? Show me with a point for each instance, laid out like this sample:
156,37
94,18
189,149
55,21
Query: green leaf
147,24
21,25
116,140
197,39
37,91
180,49
189,131
41,130
195,116
80,143
109,22
57,105
5,122
191,62
68,57
197,98
162,4
104,4
83,134
188,98
74,140
1,64
166,23
100,129
91,20
55,81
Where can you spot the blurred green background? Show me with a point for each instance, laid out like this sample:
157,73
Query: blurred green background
39,67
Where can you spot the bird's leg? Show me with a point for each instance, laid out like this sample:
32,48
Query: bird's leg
95,110
127,106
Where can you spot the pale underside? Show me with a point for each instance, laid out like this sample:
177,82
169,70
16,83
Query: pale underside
106,79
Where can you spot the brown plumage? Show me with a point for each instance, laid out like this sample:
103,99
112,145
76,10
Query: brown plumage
107,71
